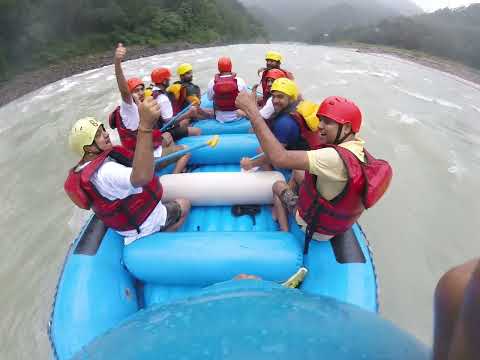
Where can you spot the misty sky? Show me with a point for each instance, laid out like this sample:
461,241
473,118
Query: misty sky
431,5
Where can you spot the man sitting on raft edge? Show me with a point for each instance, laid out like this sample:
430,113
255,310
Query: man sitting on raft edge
341,178
118,185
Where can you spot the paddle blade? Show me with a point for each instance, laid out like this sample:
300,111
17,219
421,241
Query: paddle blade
213,141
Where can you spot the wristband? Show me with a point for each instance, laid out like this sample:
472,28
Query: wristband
145,130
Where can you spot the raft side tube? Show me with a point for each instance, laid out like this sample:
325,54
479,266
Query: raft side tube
358,281
95,292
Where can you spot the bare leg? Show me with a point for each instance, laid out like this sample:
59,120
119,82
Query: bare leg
181,164
279,210
451,326
185,206
184,122
193,131
203,114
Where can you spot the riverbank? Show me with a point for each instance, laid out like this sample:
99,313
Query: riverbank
448,66
29,81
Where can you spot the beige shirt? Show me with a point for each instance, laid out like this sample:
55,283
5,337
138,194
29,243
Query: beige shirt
331,173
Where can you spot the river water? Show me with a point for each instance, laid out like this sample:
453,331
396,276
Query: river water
425,122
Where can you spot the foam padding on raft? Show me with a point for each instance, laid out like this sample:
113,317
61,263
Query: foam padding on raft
222,188
230,149
200,259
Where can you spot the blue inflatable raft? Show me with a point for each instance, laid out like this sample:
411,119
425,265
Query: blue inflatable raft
107,290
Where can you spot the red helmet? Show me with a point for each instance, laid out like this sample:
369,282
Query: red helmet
342,111
159,75
224,64
275,74
133,83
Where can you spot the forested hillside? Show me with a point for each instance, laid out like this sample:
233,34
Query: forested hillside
35,33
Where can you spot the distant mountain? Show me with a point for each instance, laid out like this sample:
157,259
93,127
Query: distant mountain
298,20
447,33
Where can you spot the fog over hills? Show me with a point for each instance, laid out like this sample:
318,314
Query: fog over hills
300,20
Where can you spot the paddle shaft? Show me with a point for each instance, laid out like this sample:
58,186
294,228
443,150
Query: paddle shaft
257,156
179,153
175,118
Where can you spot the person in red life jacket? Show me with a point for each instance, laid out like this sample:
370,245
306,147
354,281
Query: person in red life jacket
118,185
273,60
184,92
341,178
223,89
287,124
161,79
125,118
265,102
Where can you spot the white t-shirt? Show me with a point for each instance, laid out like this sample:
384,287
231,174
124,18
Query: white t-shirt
112,180
131,120
225,116
166,110
267,110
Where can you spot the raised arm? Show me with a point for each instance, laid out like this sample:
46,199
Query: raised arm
278,155
121,81
143,165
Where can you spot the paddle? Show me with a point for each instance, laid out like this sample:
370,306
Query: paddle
175,118
211,142
258,156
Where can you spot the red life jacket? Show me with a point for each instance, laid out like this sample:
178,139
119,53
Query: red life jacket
120,214
266,88
225,91
367,182
128,137
309,137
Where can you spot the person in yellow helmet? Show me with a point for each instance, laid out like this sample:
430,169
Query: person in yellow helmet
120,186
184,91
284,95
273,60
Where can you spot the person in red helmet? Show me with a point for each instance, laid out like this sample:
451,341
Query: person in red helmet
161,79
268,109
273,60
126,119
341,178
223,90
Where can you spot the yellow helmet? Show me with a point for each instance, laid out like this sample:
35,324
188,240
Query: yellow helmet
83,133
184,68
286,86
273,55
309,111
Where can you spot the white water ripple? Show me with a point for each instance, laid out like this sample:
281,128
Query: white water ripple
402,118
429,99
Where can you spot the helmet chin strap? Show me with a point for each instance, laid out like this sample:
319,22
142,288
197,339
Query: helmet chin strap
339,140
97,147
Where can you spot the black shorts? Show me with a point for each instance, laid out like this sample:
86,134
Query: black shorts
174,213
178,132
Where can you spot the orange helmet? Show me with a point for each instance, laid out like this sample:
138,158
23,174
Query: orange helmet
133,83
275,74
159,75
342,111
224,64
